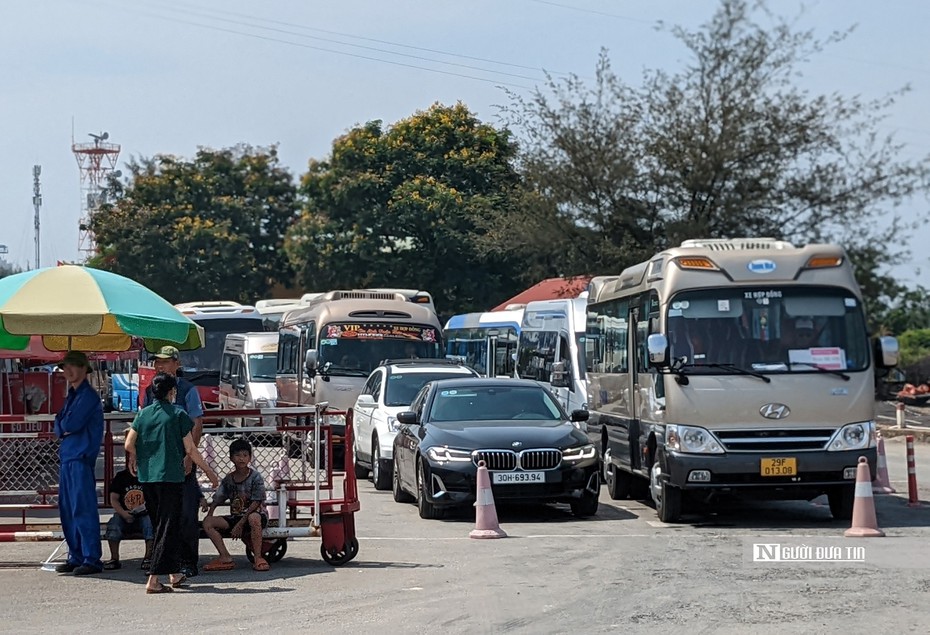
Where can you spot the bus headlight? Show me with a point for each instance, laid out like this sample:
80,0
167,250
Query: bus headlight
692,440
855,436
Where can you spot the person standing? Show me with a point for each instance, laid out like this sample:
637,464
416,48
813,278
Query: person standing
79,426
157,445
168,360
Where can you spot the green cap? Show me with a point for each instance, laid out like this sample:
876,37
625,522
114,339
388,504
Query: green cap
167,352
75,358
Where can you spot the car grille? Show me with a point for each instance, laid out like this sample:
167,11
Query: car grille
508,460
773,440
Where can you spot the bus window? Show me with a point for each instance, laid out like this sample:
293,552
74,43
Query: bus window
536,354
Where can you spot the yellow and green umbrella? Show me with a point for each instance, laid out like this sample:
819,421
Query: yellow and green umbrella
79,308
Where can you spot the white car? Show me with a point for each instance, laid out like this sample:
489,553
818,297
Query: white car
390,389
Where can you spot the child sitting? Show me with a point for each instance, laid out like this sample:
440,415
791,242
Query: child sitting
244,488
129,517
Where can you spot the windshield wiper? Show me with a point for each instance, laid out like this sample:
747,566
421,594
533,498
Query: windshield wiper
733,368
268,377
821,369
331,370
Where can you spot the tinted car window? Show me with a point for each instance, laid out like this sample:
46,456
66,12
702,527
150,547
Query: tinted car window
402,388
492,403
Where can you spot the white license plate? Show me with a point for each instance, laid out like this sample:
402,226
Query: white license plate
509,478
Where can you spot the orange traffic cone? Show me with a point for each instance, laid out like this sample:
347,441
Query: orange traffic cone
882,484
864,521
486,525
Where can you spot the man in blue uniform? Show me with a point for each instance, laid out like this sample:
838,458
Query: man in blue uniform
79,425
167,360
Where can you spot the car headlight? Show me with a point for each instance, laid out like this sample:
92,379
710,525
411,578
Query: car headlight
581,453
448,455
335,420
692,440
392,424
855,436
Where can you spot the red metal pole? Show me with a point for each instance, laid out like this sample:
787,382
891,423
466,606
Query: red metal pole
912,498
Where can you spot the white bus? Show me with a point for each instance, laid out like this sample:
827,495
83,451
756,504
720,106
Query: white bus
739,366
485,341
551,348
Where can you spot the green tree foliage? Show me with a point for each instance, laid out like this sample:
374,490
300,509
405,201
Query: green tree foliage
408,206
727,146
202,229
6,269
914,347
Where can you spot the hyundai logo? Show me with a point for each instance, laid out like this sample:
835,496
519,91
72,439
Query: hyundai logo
761,266
775,411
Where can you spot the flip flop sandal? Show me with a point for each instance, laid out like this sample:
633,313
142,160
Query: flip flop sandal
161,589
146,564
180,582
219,565
112,565
261,565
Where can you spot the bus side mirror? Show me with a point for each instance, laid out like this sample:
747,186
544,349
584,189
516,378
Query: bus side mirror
310,362
886,354
657,346
558,378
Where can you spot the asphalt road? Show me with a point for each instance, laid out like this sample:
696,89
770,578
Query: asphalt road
620,571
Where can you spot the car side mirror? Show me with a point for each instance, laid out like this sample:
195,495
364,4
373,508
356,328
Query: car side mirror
366,401
407,417
886,355
657,347
580,415
558,378
310,362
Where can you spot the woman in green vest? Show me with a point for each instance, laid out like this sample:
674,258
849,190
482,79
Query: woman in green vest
155,449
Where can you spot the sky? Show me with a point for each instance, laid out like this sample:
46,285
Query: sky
169,76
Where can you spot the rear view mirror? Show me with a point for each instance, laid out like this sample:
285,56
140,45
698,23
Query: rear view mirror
657,346
366,401
407,417
310,362
558,378
886,354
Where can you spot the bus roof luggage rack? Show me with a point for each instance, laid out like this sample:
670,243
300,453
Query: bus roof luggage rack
361,295
731,244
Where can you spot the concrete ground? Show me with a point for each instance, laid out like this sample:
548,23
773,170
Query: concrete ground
620,571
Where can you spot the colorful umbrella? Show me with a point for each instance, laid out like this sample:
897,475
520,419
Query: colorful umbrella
79,308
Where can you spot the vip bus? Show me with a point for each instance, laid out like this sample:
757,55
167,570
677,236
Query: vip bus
738,366
486,341
327,349
218,319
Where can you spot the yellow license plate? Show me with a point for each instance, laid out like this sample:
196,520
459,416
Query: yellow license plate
785,466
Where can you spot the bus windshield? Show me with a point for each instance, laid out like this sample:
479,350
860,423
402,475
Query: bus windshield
262,366
471,346
207,359
767,329
355,349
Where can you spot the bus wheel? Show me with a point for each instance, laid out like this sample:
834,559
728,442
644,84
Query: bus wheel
667,497
618,481
841,501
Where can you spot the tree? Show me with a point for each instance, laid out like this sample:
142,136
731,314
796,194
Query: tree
208,228
727,146
6,269
408,206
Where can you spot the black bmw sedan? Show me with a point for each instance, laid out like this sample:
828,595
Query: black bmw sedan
533,450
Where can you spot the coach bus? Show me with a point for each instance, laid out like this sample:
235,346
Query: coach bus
485,341
202,366
740,366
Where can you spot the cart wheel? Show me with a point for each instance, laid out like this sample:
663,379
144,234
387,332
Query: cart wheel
272,551
339,558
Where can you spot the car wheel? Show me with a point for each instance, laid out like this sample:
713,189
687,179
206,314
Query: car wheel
667,497
361,472
427,509
400,496
586,506
618,481
841,501
380,473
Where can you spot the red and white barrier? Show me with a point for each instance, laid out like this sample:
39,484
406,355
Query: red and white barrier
912,497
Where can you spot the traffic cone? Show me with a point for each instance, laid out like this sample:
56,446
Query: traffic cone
486,525
882,484
864,521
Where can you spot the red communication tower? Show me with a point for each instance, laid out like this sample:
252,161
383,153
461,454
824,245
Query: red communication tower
95,161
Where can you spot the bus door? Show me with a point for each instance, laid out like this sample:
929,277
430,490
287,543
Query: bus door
307,391
646,384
